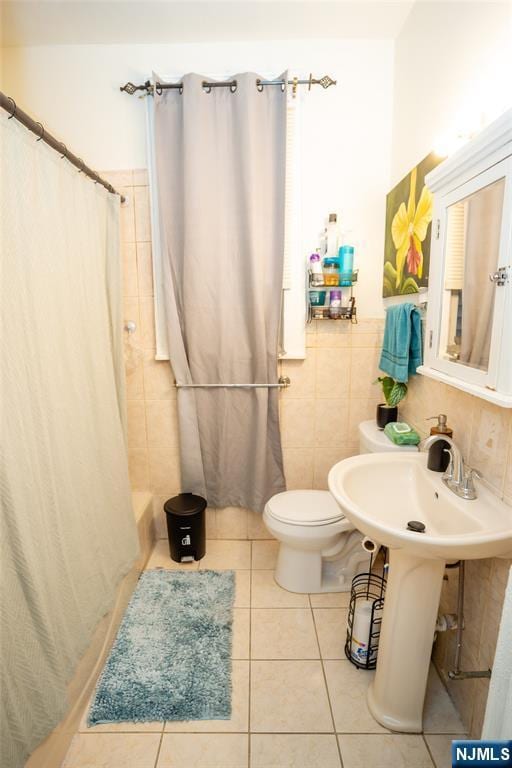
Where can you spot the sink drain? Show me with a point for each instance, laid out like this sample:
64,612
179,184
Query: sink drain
416,526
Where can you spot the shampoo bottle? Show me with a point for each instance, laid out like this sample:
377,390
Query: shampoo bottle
438,458
332,236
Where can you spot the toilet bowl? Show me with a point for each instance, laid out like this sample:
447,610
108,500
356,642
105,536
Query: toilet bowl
320,550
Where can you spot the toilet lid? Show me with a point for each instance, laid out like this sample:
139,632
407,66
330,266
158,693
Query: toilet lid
304,508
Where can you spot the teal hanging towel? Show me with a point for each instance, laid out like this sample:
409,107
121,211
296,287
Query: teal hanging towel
402,346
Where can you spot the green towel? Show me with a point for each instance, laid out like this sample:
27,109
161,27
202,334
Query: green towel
401,433
401,348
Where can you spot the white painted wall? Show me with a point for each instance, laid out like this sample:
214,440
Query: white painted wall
74,91
453,74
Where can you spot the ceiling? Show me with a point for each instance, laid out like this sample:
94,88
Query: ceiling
79,22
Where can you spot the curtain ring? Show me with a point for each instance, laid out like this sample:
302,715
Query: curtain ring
180,90
310,83
13,107
158,89
65,150
283,86
41,135
233,86
259,86
82,162
207,88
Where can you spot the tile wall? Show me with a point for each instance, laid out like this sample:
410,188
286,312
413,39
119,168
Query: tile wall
331,392
484,433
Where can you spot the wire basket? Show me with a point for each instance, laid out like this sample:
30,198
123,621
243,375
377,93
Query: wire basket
368,591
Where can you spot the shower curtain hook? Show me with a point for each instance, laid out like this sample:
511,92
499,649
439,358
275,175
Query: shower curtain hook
13,107
283,86
233,86
259,86
82,168
180,89
41,135
65,150
207,88
158,89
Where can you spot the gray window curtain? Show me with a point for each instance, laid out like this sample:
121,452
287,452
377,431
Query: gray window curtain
220,167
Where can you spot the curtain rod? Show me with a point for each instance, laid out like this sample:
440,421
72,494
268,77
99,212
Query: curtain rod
9,105
149,88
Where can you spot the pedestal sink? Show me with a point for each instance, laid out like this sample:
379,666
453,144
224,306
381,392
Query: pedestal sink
380,493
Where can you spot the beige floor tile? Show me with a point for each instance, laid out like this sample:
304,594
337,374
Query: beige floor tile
264,554
160,558
289,697
112,750
155,727
242,589
347,691
331,626
225,555
439,715
283,633
241,632
386,751
330,600
441,749
267,594
204,750
239,721
299,750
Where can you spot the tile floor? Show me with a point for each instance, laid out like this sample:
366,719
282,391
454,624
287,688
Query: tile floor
297,702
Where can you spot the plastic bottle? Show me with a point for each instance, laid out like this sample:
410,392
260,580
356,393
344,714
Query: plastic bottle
438,459
346,259
332,236
335,305
315,265
331,272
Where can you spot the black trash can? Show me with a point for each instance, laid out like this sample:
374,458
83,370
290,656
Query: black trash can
186,527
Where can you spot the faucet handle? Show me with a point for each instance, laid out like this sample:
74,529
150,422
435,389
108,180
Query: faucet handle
468,486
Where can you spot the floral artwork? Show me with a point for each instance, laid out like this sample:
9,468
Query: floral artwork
408,221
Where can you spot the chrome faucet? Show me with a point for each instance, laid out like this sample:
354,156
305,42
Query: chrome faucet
458,477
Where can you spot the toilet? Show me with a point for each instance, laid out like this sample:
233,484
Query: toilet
320,550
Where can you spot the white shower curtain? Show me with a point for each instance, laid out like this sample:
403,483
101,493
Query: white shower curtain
220,166
67,528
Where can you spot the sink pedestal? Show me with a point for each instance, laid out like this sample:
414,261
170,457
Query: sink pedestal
397,694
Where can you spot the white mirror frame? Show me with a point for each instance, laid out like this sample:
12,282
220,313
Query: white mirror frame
484,159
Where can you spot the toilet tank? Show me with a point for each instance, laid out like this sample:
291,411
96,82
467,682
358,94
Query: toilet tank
373,440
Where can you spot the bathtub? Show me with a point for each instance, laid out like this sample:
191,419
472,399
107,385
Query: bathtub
51,752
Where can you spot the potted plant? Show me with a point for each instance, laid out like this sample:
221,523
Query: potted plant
394,392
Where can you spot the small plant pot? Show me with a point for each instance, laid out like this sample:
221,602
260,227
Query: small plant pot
385,414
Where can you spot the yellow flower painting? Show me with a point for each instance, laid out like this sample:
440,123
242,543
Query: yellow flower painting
408,219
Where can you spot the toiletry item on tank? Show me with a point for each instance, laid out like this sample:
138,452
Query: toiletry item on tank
346,260
315,265
438,458
332,236
361,631
331,272
317,298
335,305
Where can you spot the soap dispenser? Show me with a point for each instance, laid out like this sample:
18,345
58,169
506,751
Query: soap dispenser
438,458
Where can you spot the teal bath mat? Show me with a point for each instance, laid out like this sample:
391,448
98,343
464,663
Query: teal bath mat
172,656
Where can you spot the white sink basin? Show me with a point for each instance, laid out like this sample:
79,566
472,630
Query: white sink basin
381,492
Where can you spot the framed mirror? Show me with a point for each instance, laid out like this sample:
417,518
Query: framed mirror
468,340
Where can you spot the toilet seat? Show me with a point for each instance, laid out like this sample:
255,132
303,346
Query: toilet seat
305,508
